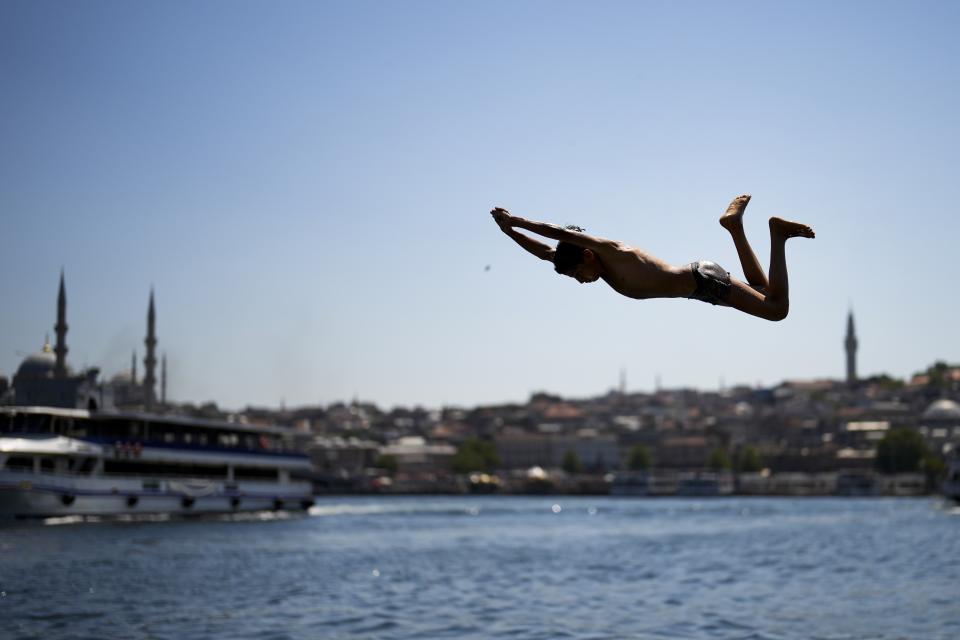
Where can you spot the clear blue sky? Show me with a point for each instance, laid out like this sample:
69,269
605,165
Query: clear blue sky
306,185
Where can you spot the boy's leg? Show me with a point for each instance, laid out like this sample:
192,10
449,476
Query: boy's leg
780,231
732,221
776,303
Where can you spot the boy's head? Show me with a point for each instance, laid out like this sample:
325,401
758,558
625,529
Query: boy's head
576,261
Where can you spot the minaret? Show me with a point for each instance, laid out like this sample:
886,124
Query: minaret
163,380
850,344
133,367
61,328
150,361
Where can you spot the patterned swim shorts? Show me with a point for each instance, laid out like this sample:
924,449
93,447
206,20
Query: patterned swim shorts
713,282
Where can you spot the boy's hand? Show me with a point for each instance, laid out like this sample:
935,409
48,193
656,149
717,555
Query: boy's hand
502,217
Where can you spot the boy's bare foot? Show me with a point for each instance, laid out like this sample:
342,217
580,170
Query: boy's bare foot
788,229
734,213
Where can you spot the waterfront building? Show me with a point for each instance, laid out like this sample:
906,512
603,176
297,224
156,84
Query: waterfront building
688,451
902,484
46,379
37,383
940,425
520,449
127,392
414,454
346,456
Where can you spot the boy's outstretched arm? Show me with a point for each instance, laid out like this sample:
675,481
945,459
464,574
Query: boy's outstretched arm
507,220
539,249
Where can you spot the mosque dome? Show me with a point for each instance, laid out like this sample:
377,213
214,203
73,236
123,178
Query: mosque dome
123,377
942,409
38,365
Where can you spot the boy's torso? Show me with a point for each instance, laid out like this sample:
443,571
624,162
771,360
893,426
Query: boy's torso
637,274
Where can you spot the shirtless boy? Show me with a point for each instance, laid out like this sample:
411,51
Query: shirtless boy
637,274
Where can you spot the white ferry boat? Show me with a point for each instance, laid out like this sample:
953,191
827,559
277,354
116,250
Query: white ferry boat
64,462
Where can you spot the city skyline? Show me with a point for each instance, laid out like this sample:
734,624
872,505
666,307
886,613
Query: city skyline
307,190
148,382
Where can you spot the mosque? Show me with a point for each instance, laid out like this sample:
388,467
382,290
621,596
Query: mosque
45,378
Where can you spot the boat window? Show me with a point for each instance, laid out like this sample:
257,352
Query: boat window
84,466
76,429
77,432
202,438
92,427
255,473
132,467
109,429
119,429
20,463
31,423
46,464
228,439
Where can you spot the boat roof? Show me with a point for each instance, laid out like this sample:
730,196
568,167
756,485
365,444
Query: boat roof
75,446
58,444
187,421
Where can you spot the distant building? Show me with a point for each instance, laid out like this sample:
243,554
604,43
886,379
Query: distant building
127,393
36,384
131,393
350,456
940,425
522,449
683,452
45,378
413,454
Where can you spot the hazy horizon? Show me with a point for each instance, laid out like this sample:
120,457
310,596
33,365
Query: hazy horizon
306,187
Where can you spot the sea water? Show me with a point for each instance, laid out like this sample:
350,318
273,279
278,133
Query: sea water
497,567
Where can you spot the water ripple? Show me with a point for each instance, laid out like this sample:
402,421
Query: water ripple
519,568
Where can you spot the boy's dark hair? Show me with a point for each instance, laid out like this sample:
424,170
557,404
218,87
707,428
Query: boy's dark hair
567,256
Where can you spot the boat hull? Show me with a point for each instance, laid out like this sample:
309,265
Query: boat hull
46,496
